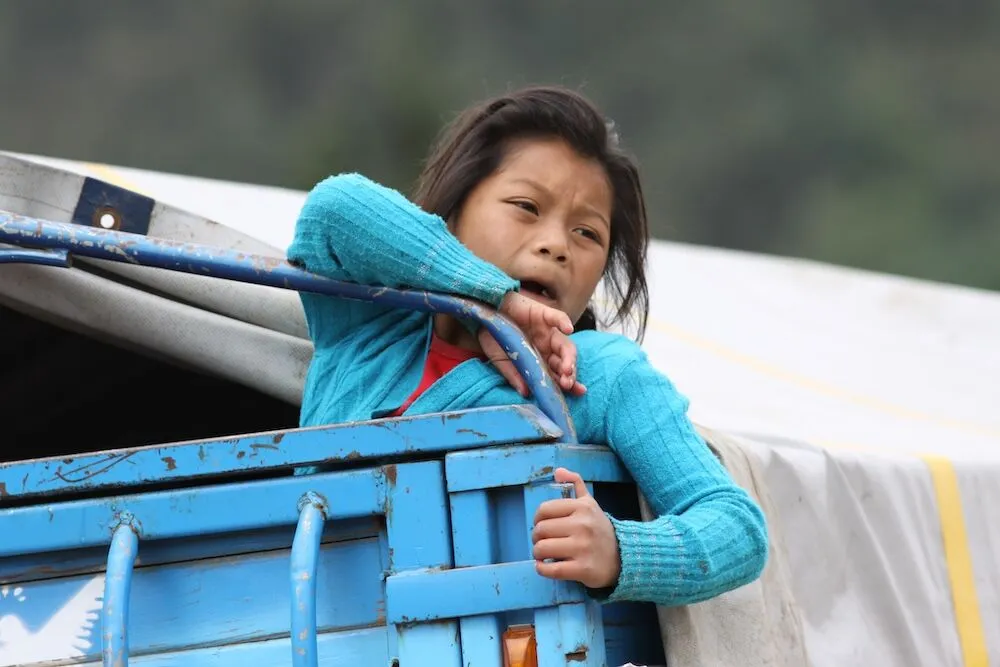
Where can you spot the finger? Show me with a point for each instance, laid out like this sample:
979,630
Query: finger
559,548
564,476
553,529
502,363
555,372
560,569
556,509
566,349
579,389
559,320
514,379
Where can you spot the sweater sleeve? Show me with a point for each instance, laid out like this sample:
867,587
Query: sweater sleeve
709,536
353,229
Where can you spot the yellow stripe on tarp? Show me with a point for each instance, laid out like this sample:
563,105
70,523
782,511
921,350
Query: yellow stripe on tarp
958,558
968,621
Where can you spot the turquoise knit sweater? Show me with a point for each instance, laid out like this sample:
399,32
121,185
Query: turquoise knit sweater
709,537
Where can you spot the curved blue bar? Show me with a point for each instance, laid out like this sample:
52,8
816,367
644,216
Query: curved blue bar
26,256
304,559
117,585
205,260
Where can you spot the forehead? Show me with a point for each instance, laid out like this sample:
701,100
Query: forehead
554,165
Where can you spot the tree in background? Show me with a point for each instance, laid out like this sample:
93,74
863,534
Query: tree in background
861,133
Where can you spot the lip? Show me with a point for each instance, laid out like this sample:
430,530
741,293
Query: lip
532,288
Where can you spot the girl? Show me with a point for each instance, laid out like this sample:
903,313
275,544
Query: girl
526,203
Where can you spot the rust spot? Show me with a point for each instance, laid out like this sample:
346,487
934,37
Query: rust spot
496,587
545,470
353,455
278,438
258,446
201,453
3,490
240,454
67,461
390,474
171,463
579,654
478,434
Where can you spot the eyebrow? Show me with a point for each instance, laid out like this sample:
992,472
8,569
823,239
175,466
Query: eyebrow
538,186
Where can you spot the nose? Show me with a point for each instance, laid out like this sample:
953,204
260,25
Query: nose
551,243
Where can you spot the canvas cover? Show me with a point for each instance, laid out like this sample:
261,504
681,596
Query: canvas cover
862,411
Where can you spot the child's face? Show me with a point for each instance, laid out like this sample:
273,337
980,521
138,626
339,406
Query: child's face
544,217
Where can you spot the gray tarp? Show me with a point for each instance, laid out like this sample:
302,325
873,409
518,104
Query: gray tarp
863,410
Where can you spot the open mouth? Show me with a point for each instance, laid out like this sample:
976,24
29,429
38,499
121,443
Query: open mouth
538,288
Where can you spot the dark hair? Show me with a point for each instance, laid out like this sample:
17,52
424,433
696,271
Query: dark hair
472,147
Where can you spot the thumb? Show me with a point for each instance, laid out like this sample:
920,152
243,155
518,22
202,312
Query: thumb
563,476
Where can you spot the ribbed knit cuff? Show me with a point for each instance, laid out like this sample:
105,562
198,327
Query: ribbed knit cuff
653,561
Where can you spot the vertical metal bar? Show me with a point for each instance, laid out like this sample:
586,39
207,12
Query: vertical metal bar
475,543
304,560
419,532
117,586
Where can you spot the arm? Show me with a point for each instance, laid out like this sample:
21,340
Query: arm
353,229
709,536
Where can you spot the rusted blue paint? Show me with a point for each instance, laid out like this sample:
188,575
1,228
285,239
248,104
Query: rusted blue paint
234,265
304,559
117,589
189,512
419,539
416,596
476,546
343,443
516,465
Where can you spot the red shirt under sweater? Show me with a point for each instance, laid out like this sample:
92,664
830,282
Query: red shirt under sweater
441,358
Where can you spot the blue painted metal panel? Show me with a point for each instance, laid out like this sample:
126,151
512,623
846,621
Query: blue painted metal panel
189,512
117,594
234,265
419,536
350,648
30,567
473,532
415,596
199,603
516,465
278,449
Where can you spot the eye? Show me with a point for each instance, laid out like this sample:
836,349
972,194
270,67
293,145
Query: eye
526,205
590,234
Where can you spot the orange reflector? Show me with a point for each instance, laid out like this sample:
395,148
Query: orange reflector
519,647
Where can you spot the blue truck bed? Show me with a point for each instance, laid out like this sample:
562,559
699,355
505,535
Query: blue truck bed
410,546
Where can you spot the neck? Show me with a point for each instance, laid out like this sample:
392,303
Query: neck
451,331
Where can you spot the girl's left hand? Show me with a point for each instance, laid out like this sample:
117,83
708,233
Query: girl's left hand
578,536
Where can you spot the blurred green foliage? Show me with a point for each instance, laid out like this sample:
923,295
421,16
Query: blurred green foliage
861,133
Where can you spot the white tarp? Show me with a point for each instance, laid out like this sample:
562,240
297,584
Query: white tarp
862,409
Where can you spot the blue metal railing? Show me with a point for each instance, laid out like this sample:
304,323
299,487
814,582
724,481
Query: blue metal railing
46,242
117,586
49,243
304,558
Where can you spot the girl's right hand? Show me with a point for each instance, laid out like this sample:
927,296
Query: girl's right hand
547,329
